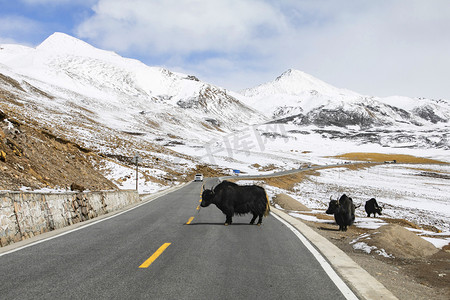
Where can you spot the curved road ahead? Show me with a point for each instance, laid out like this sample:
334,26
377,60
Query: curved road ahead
200,260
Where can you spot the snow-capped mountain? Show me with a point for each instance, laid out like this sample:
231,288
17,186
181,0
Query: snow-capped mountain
118,106
121,93
303,99
300,99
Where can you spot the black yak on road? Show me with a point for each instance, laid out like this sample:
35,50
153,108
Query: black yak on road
343,210
234,199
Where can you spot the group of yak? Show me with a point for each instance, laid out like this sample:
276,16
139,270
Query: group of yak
233,199
343,210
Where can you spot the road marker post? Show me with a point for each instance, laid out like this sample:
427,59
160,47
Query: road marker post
137,159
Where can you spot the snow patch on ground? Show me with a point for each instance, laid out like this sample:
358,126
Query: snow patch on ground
360,245
405,191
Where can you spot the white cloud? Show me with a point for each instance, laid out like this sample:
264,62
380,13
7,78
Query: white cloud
373,47
399,47
181,27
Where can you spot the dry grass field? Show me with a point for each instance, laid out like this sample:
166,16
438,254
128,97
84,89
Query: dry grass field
381,157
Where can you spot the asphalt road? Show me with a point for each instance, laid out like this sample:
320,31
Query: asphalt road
289,172
205,259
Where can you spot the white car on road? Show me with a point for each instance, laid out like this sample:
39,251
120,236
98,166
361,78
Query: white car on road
198,177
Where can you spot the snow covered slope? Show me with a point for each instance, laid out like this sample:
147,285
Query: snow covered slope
308,100
295,91
298,98
120,93
118,106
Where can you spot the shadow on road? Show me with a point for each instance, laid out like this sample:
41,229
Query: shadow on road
221,224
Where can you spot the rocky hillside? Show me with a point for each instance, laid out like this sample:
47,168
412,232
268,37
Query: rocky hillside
37,159
33,158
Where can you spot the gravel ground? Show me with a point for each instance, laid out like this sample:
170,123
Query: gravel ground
418,278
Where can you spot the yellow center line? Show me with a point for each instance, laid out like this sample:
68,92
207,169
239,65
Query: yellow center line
155,255
190,220
198,207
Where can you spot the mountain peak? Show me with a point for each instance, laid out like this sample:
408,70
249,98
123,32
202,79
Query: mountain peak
65,44
301,80
291,72
60,41
294,82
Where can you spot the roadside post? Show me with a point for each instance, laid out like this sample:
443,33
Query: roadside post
136,160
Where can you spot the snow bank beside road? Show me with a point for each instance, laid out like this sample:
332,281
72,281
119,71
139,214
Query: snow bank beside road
412,192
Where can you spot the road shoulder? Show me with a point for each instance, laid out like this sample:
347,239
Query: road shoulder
359,280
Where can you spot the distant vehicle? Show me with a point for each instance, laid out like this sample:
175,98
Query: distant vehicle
391,161
198,177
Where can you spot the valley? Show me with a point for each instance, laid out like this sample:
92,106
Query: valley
72,113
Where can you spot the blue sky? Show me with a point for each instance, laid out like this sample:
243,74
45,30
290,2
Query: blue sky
381,48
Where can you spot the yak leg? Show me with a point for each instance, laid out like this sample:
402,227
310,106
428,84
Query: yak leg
229,220
260,219
253,219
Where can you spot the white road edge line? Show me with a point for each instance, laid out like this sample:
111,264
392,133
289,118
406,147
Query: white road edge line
88,224
340,284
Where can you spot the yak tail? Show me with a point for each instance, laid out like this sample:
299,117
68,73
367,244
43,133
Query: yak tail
266,213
